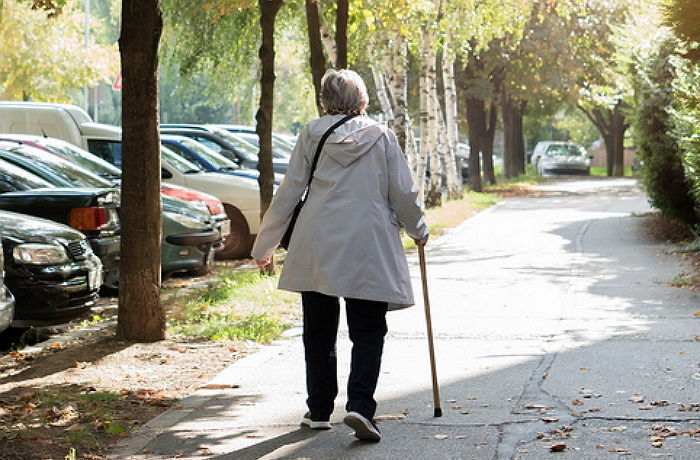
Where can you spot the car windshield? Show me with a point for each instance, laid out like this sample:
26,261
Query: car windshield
179,163
209,155
82,158
15,179
110,151
280,149
61,167
568,150
242,147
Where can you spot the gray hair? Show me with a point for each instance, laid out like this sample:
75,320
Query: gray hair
343,91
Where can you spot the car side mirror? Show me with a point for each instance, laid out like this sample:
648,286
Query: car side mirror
165,174
590,157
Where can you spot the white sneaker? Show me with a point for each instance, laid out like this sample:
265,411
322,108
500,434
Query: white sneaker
364,429
315,424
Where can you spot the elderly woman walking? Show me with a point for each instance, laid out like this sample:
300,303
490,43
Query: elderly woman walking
345,244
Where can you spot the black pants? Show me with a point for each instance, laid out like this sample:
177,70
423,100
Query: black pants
367,325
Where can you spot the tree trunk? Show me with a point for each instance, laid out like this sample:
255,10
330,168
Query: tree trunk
454,177
476,119
397,79
487,145
268,13
514,148
140,315
382,95
341,34
434,196
611,125
519,137
424,150
326,35
317,60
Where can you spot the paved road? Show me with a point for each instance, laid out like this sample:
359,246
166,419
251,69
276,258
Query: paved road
550,313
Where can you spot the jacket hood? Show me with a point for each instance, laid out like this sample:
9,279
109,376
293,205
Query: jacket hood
350,140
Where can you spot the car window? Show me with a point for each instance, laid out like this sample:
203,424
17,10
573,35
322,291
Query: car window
58,166
209,155
16,179
110,151
208,143
82,158
248,151
179,163
564,150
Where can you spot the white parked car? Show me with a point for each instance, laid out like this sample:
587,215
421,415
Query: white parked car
240,195
551,157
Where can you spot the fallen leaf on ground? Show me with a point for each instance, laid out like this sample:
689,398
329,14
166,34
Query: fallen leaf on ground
534,406
577,402
594,409
549,419
441,436
558,447
385,417
660,402
599,446
464,411
584,368
637,398
451,400
646,407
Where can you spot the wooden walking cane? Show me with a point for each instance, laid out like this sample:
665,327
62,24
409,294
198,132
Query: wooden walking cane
426,303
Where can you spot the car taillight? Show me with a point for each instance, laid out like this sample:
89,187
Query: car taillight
94,218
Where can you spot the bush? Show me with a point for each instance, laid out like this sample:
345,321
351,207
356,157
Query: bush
663,175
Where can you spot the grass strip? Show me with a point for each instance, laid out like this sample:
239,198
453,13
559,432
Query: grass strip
237,305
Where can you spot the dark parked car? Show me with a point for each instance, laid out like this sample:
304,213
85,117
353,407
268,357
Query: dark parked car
92,210
189,236
49,267
227,144
111,173
7,301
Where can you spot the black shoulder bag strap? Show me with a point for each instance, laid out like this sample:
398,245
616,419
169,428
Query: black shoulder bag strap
321,142
297,209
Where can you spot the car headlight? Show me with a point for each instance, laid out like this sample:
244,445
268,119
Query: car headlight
201,205
187,221
39,254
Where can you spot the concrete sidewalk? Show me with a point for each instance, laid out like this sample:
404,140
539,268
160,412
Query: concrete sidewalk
549,312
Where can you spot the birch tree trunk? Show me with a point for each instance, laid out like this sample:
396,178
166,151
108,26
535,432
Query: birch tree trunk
327,36
397,83
382,96
454,180
424,147
434,196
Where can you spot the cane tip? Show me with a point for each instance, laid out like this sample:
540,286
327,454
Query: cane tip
438,412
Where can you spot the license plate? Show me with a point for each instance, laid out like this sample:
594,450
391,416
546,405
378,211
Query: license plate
225,228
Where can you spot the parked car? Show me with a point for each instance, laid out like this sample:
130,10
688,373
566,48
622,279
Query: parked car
552,157
240,195
228,144
111,173
50,268
250,134
91,210
189,233
7,300
208,159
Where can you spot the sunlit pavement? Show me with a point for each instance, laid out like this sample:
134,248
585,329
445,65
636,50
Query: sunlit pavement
555,324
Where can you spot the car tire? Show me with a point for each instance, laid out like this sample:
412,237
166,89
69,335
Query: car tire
238,243
110,285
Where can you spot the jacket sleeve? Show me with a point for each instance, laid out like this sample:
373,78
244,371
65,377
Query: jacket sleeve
403,193
277,217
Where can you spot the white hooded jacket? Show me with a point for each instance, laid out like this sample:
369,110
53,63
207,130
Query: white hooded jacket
346,240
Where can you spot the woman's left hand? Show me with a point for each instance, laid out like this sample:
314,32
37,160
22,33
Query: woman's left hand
262,263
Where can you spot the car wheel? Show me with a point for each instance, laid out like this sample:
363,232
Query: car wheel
110,285
238,243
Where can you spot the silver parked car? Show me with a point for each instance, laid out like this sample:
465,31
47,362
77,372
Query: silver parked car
552,157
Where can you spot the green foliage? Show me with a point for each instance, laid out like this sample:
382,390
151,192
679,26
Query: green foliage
686,120
684,17
35,64
662,172
192,99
